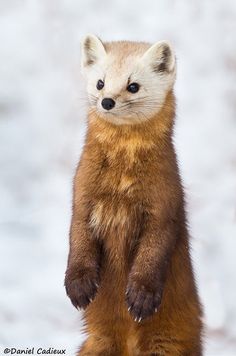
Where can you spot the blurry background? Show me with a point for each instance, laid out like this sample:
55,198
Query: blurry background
42,126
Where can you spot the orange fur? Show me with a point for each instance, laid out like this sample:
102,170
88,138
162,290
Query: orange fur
129,231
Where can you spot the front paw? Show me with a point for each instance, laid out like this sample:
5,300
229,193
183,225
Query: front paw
81,286
142,301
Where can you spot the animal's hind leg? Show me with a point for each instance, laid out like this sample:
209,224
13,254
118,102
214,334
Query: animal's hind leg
156,341
170,349
101,346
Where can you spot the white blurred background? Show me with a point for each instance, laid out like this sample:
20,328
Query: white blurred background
42,125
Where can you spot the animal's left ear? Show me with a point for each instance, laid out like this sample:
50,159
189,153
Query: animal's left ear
160,57
92,50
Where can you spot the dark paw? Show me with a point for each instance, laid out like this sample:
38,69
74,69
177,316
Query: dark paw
81,286
142,302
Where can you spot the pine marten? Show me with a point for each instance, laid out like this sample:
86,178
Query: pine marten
129,262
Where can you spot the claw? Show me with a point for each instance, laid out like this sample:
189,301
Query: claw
139,320
90,299
155,310
136,319
129,308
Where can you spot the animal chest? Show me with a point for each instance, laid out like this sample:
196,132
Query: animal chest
116,214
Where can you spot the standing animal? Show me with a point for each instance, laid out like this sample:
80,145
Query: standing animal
129,262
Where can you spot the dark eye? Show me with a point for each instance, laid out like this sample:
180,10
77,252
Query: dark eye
133,88
100,84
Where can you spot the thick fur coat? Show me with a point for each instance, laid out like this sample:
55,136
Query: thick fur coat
129,263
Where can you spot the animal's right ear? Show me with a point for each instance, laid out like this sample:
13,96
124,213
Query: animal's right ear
92,49
160,57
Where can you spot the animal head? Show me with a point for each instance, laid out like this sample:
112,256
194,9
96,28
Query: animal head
127,82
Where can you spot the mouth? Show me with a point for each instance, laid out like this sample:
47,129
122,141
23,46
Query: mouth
109,113
106,112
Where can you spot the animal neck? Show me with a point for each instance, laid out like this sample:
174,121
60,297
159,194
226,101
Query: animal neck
155,131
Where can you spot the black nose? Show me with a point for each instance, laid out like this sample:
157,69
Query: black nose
108,103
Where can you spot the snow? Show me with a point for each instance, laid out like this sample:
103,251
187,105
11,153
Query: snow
42,127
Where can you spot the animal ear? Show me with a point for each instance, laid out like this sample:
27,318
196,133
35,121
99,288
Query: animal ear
160,57
92,49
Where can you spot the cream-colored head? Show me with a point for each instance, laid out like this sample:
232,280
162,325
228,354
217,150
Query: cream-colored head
127,82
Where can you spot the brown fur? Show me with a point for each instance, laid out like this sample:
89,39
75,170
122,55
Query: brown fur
129,243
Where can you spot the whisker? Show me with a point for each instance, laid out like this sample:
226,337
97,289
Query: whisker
136,99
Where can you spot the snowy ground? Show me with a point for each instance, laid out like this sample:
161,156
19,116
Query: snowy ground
42,108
